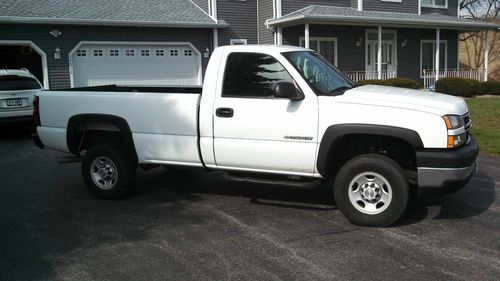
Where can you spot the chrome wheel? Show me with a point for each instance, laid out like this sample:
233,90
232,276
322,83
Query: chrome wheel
104,173
370,193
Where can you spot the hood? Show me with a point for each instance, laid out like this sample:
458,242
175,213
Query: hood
419,100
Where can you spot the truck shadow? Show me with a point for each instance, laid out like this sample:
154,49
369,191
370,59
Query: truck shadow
474,199
14,131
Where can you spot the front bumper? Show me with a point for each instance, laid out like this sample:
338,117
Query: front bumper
444,171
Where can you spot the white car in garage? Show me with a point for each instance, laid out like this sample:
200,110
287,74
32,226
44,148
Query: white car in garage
17,91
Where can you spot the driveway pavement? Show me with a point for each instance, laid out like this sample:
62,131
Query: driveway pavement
198,226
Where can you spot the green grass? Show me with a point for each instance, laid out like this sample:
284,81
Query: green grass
485,115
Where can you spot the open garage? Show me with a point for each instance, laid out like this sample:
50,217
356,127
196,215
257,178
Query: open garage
19,55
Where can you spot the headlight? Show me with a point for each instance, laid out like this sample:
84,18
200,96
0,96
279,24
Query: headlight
453,121
457,135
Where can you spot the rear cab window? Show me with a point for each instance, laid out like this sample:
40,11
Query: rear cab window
18,83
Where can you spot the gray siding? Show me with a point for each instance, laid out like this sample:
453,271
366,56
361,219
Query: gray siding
451,11
265,12
242,19
203,4
352,58
354,4
72,35
406,6
289,6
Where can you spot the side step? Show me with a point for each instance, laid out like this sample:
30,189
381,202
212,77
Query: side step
291,181
69,159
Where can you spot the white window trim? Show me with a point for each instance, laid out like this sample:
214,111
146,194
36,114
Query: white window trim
238,41
434,5
334,39
395,1
395,43
434,52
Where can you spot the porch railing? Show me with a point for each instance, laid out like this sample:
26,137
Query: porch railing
429,75
364,75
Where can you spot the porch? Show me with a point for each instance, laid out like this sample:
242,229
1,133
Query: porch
382,45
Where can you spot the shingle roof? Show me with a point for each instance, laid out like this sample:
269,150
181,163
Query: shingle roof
107,12
318,13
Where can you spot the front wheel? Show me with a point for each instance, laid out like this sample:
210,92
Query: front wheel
371,190
108,171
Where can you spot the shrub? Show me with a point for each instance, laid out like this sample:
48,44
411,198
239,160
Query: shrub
454,86
374,82
475,87
489,88
403,83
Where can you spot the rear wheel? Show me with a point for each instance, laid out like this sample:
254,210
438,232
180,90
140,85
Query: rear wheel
371,190
108,170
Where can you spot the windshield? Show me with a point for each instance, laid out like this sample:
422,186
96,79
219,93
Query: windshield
321,75
14,82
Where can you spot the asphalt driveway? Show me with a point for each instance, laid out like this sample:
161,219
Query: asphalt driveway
198,226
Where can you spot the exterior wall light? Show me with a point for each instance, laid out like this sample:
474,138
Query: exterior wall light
359,42
57,53
404,42
56,33
206,54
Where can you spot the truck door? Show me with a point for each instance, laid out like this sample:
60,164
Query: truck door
256,131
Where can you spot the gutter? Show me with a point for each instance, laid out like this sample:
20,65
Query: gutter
378,21
91,22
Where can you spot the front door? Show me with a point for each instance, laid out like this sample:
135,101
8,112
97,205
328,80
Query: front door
388,54
255,131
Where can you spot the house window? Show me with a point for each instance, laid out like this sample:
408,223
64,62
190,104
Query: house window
435,3
114,53
98,53
174,53
144,53
428,55
253,75
81,53
160,53
238,41
129,52
188,53
326,46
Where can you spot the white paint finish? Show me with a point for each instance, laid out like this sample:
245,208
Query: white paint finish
379,52
306,35
486,50
419,7
279,35
42,54
436,63
167,148
54,138
133,67
215,38
360,5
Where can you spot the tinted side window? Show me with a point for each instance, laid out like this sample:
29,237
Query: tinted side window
11,83
252,75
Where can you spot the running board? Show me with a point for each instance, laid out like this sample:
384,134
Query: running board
294,183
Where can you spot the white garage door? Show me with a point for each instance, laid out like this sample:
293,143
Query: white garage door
135,64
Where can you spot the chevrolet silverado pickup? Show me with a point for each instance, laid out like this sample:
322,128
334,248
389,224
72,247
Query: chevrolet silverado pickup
274,114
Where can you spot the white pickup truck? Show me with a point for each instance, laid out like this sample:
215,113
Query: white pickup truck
275,114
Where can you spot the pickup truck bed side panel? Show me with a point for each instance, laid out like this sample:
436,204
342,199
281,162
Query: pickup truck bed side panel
164,126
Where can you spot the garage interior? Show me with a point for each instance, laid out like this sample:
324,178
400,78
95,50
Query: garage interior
21,56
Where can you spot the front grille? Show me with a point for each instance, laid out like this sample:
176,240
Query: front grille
467,126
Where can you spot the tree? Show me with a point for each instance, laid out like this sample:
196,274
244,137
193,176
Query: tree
472,43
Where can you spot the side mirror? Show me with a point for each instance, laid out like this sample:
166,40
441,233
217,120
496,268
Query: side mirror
287,90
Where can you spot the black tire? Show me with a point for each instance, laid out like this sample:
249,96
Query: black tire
390,171
121,163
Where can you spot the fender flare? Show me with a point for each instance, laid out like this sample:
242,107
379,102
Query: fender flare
121,124
335,133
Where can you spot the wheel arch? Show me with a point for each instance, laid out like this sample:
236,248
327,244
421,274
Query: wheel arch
335,133
103,123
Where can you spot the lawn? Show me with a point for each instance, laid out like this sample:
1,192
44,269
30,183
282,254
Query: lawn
485,115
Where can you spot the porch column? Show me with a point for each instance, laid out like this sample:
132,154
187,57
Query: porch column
437,53
279,35
306,36
486,54
379,54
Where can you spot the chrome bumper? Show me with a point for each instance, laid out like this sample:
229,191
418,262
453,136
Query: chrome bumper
439,177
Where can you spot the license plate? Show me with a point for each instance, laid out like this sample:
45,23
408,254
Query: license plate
14,102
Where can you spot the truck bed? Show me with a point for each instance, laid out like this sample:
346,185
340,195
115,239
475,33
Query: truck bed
136,89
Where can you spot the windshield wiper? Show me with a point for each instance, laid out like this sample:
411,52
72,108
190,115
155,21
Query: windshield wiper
339,90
